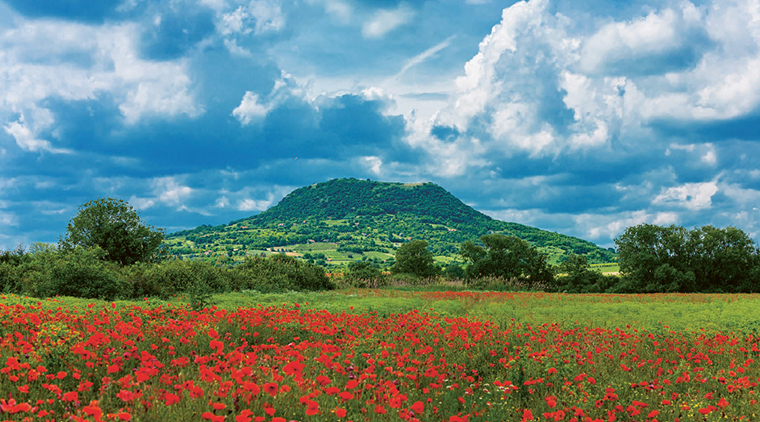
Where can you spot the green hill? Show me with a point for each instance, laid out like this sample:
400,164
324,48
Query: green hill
346,220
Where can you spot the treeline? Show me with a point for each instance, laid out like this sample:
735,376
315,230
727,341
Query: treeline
652,259
672,259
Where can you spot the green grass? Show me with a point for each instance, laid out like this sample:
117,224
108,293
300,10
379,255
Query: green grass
606,268
657,313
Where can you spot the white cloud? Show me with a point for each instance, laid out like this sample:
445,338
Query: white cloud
170,192
249,204
678,62
141,203
386,20
268,16
235,22
745,198
608,226
693,196
373,164
222,202
27,139
655,34
37,62
250,109
235,49
8,219
710,157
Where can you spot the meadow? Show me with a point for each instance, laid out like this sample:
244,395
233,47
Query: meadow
435,353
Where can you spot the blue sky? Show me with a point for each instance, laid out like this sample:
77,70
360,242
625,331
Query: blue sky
582,117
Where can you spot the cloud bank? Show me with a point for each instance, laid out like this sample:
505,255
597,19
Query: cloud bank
578,117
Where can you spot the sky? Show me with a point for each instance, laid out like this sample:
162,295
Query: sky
583,117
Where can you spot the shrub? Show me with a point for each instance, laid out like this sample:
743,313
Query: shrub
363,274
169,278
8,278
280,273
81,272
454,272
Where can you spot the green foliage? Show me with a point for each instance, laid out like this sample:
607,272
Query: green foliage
453,272
672,259
81,272
200,294
363,274
173,277
280,273
578,278
505,257
115,227
415,258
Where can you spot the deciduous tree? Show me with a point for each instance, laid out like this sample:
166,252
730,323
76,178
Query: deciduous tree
115,227
415,258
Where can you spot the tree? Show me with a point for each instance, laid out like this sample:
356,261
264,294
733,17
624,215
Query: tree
707,259
506,257
655,259
115,227
415,258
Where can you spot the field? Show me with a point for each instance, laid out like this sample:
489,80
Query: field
383,355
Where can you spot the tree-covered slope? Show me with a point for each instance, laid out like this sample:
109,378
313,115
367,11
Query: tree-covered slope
341,198
365,219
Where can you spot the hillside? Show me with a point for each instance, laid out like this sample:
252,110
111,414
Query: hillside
348,219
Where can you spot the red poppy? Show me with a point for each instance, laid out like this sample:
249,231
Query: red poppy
270,388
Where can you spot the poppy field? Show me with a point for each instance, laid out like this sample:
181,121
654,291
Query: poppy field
461,357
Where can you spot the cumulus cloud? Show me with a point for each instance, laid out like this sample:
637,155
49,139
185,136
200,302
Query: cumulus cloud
169,191
693,196
601,227
384,21
539,85
374,164
250,109
268,16
28,140
71,62
619,47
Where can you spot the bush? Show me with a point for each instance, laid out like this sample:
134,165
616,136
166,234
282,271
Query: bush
280,273
8,278
454,272
170,278
362,275
80,273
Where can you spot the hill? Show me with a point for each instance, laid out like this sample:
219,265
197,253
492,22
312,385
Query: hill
345,220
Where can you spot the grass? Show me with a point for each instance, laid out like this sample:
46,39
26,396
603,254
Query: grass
658,312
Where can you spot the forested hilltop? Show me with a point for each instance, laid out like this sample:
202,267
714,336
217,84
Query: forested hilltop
345,220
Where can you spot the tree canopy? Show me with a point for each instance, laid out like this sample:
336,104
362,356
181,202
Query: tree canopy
672,259
115,227
415,258
505,257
